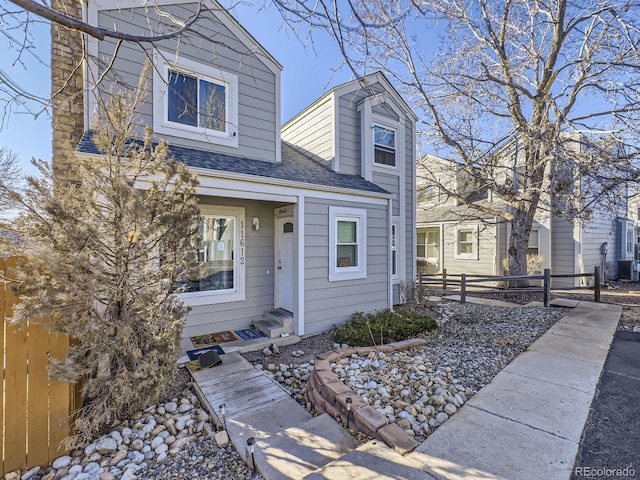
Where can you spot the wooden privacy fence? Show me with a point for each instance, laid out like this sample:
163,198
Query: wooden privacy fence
464,282
31,406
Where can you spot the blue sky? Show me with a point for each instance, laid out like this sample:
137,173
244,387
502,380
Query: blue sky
308,73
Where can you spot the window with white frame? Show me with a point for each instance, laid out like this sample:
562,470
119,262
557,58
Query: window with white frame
421,244
384,145
195,101
347,243
433,247
219,276
533,247
394,249
466,242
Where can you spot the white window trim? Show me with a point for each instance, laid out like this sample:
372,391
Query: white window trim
162,64
211,297
360,217
395,224
465,228
426,247
389,124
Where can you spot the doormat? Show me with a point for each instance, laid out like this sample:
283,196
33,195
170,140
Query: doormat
194,356
249,333
213,339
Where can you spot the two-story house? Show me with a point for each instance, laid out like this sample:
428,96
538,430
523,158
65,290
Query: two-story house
455,236
309,222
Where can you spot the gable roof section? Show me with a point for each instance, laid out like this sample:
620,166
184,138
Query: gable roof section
295,167
217,10
361,83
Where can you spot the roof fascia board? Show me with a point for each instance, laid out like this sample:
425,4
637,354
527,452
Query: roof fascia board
355,85
277,182
309,187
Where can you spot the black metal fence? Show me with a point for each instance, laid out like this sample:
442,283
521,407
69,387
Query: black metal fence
510,284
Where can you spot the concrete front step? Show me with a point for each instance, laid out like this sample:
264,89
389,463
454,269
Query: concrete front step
297,451
275,323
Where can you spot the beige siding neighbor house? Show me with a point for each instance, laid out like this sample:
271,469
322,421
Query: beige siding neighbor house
454,236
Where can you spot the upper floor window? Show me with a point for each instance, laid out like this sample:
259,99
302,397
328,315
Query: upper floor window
384,144
195,101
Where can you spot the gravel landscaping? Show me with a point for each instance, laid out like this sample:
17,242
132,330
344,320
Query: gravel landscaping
418,389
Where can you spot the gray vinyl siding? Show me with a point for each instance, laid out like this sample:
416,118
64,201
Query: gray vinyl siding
410,201
385,111
594,234
258,283
312,130
391,183
482,263
256,83
349,143
563,251
328,303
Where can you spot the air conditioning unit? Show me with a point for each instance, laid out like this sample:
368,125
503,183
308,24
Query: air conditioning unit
628,270
625,270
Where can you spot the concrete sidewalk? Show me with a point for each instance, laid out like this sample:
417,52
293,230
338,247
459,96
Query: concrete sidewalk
526,424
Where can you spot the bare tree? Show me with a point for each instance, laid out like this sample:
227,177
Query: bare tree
108,255
10,171
543,76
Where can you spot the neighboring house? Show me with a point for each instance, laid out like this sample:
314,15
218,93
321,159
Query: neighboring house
454,236
309,222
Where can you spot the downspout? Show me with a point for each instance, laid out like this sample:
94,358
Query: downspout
389,255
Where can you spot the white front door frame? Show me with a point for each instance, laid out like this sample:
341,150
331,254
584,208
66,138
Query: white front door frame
284,256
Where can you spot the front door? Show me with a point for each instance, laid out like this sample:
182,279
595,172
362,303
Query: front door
284,263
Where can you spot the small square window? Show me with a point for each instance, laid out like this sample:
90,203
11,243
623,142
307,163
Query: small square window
466,243
384,144
347,243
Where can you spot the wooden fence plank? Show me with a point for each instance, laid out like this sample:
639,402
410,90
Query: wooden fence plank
2,322
15,385
60,398
38,395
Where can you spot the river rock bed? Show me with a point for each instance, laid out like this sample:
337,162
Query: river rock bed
171,440
420,389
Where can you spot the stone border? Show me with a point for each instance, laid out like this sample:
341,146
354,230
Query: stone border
327,394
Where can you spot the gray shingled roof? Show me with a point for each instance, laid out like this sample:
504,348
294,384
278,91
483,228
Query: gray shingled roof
295,166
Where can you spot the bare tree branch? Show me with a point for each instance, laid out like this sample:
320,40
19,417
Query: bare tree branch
95,31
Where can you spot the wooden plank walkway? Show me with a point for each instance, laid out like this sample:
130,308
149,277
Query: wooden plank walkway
238,385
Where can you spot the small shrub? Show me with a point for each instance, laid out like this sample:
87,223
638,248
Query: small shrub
383,326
